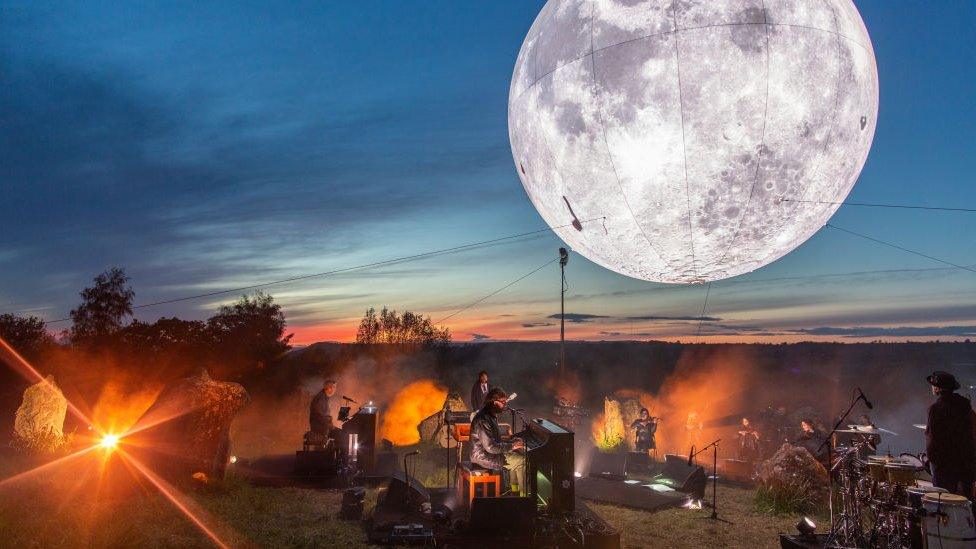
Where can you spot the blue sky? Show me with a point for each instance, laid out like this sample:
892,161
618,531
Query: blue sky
212,146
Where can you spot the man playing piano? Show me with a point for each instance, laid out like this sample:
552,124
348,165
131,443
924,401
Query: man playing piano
487,448
320,412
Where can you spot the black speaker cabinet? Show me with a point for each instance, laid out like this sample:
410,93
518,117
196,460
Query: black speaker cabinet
609,466
508,518
689,479
407,496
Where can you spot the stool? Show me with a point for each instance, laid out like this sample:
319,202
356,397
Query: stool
475,481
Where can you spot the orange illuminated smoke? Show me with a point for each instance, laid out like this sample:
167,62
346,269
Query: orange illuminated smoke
412,404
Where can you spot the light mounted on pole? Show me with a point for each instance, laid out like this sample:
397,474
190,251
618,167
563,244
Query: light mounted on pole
563,260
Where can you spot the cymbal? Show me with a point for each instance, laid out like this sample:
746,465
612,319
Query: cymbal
875,431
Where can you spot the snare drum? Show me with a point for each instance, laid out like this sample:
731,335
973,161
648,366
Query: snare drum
900,473
948,523
876,468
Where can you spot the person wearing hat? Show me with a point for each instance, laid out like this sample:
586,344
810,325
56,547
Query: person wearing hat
950,440
487,447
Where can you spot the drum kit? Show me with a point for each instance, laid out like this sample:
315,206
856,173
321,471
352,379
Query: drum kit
886,502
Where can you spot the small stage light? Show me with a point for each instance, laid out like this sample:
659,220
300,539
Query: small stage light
109,441
806,527
233,459
577,474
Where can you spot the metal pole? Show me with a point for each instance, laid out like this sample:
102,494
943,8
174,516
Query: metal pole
562,320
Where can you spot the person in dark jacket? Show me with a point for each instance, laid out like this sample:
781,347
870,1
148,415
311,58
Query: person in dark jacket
479,391
644,428
320,412
949,437
487,448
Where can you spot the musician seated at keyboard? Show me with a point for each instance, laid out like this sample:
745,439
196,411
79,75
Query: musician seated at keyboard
320,411
487,448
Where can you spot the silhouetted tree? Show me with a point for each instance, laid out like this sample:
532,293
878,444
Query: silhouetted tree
249,334
392,327
103,308
26,334
172,338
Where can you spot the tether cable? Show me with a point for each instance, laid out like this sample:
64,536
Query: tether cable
877,205
499,290
902,248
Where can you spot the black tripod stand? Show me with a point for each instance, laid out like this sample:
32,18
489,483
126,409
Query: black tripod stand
714,447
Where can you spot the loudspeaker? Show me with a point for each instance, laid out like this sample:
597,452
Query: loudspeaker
352,504
686,478
610,466
510,518
400,493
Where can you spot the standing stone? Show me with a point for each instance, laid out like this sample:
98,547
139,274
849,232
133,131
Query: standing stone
190,427
39,423
432,428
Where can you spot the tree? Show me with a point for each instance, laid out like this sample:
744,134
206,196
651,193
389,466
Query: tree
391,327
103,308
249,334
168,336
26,334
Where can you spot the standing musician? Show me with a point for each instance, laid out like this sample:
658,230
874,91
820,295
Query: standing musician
644,428
748,442
479,391
487,448
949,437
320,411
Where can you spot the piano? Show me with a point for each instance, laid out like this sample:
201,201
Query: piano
549,457
360,438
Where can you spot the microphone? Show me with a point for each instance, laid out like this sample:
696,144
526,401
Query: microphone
691,454
415,452
865,399
347,399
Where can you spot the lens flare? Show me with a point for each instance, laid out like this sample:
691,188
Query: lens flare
109,441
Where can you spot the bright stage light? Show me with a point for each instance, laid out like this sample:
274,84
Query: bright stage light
233,459
109,441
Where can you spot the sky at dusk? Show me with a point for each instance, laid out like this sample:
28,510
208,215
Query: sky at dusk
205,146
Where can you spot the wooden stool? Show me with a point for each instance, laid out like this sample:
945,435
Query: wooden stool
474,481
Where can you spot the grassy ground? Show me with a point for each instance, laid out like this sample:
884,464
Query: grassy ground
71,508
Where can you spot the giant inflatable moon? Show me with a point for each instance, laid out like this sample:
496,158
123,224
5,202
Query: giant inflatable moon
712,135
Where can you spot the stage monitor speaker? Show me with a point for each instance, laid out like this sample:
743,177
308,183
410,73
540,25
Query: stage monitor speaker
398,493
689,479
609,466
508,518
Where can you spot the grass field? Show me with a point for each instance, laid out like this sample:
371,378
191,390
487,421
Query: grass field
70,507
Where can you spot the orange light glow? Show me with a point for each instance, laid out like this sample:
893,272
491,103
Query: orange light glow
413,403
109,442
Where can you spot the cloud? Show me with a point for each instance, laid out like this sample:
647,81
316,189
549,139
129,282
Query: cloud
898,331
577,318
537,324
479,337
690,318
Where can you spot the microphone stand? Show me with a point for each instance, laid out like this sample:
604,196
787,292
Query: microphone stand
834,528
525,451
714,447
